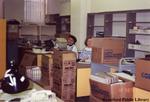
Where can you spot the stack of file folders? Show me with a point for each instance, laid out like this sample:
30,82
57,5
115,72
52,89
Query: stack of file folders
105,77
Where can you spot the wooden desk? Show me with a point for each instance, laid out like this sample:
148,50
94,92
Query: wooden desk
83,84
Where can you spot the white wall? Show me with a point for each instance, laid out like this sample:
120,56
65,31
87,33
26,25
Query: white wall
79,10
65,7
118,5
1,8
14,9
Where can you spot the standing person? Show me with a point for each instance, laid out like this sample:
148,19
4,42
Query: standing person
86,53
71,40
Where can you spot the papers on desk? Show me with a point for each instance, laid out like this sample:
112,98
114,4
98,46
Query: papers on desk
104,77
30,96
125,76
7,97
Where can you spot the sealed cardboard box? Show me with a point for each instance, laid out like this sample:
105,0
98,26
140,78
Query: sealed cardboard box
107,42
107,50
116,92
94,99
47,61
142,79
64,91
46,69
64,55
141,95
64,75
67,76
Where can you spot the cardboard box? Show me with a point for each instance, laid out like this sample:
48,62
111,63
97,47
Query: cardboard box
47,77
107,50
94,99
64,91
140,94
47,61
107,42
63,56
27,60
46,69
112,92
67,77
64,75
142,79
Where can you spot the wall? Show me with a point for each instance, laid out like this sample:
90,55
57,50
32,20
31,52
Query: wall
1,8
14,9
65,7
118,5
53,7
79,10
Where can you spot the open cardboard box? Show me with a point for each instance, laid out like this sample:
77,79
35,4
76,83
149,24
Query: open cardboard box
122,91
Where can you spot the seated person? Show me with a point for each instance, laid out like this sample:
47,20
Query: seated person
71,40
85,55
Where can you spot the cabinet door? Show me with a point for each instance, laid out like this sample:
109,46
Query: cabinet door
2,47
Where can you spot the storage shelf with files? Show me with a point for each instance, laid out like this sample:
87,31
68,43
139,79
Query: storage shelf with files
144,48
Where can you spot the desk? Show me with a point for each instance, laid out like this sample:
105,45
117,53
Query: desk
5,96
38,56
83,84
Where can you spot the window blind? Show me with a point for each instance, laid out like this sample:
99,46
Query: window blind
34,11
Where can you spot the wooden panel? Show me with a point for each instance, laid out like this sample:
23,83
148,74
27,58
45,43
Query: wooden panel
83,84
2,47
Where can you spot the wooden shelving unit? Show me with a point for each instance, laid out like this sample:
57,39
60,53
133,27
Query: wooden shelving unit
140,35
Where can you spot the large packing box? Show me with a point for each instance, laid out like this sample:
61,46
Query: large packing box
142,79
94,99
64,75
27,60
46,69
140,95
107,50
117,92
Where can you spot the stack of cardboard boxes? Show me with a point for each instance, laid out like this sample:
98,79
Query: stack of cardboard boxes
46,69
64,75
109,51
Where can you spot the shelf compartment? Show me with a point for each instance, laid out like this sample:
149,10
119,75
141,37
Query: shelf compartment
143,48
139,31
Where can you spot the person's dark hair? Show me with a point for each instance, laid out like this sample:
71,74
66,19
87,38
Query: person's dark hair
73,37
86,40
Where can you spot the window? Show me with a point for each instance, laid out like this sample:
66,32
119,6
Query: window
35,11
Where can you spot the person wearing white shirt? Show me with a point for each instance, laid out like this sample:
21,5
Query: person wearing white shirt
86,53
71,40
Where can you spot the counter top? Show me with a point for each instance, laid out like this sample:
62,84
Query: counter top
82,65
